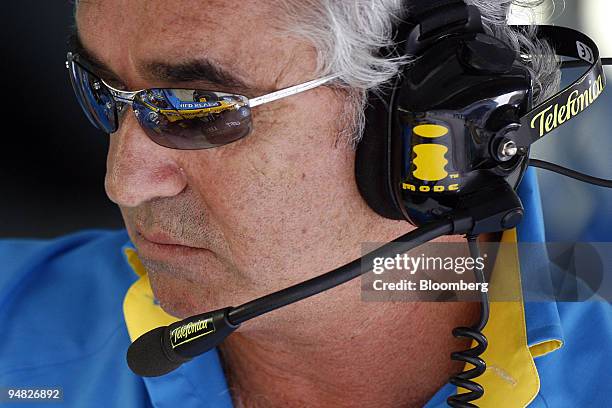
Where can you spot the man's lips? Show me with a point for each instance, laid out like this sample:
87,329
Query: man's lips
159,237
157,240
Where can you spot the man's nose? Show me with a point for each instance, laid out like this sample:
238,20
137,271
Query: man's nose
137,169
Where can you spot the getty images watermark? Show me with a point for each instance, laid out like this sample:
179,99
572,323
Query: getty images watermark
413,264
512,272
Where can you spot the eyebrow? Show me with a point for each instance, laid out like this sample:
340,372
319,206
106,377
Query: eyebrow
194,70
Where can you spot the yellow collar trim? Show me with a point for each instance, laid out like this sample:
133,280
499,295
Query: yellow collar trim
511,379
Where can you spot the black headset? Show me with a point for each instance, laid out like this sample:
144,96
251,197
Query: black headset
460,118
445,146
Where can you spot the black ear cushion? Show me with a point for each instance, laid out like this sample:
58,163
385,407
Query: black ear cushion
372,161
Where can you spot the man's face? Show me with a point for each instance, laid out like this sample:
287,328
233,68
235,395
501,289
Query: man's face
217,227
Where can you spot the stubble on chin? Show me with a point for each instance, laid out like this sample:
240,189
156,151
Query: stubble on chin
182,292
177,293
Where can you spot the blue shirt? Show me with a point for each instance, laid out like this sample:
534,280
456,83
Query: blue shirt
69,308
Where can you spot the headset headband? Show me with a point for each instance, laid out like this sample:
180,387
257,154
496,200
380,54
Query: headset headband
574,99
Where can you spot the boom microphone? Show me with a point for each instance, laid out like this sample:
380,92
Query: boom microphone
165,348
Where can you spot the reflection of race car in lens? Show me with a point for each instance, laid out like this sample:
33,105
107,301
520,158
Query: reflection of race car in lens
171,106
214,117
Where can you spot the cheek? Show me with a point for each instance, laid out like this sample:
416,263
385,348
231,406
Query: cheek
282,184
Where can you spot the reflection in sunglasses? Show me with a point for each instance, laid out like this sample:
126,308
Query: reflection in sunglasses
201,116
175,107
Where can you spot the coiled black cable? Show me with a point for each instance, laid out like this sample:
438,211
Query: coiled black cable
465,379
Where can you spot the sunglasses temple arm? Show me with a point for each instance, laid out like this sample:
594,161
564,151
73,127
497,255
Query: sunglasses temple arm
283,93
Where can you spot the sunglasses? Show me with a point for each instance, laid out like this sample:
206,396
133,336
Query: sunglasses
185,119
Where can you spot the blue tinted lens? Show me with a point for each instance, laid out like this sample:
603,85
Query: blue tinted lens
94,97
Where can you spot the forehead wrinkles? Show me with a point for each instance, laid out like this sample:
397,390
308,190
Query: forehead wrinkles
242,36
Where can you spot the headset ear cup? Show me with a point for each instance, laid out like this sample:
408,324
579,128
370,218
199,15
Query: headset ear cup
372,161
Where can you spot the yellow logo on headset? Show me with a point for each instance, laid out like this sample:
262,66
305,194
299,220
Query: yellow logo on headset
430,131
430,160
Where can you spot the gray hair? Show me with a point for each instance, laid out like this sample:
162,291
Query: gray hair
347,35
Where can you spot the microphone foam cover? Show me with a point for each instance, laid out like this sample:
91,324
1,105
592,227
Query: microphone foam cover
146,356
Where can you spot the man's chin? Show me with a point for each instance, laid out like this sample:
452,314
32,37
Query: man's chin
179,311
184,290
180,296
